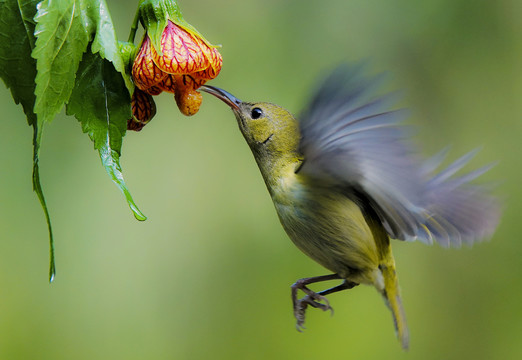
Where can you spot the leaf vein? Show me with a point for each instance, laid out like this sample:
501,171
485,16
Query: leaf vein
27,30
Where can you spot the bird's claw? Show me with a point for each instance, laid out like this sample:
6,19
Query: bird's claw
311,299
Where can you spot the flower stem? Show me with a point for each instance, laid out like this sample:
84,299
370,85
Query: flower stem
135,24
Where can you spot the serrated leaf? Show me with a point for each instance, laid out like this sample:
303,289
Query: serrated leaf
61,39
103,109
17,41
41,45
98,124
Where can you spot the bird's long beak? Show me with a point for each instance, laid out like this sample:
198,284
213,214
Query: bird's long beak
223,95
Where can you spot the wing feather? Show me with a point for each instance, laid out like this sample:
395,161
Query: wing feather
353,138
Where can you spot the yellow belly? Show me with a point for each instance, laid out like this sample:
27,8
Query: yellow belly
331,229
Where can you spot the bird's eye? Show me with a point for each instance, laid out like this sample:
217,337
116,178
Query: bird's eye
256,113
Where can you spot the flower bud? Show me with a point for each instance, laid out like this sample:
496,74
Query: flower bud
143,110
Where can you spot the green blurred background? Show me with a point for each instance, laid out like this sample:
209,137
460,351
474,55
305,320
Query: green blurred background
208,274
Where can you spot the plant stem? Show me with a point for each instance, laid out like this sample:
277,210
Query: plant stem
134,26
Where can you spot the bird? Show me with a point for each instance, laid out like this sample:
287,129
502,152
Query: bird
346,179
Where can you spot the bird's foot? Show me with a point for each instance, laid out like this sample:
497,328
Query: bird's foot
313,299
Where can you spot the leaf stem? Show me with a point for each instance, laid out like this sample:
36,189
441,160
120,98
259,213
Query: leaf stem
135,24
38,189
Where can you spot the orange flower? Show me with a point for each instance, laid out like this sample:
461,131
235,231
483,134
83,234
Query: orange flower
184,63
173,57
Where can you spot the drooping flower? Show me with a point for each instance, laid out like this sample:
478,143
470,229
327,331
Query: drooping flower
173,57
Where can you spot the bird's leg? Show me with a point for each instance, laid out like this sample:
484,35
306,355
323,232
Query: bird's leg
312,298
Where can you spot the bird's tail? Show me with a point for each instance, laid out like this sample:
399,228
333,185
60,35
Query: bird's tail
389,289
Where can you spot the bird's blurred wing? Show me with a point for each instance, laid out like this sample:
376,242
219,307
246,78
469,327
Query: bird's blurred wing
350,137
460,212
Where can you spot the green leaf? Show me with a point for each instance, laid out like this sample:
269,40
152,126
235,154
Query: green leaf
105,41
17,41
61,39
103,109
94,120
64,28
41,46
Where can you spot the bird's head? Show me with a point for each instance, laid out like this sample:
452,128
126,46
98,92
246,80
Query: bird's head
270,130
